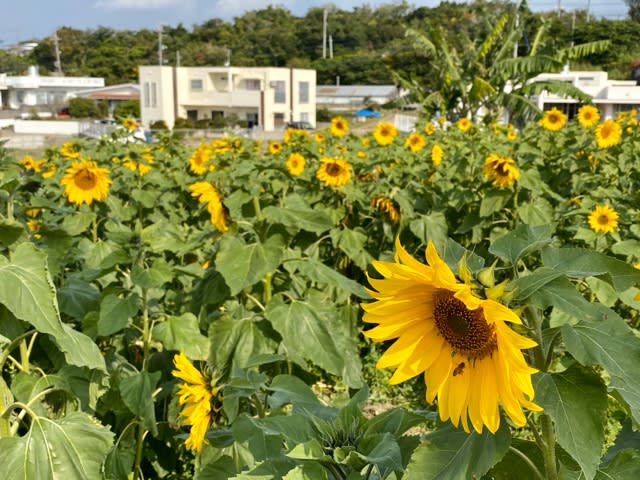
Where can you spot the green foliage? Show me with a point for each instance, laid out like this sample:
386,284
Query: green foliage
81,107
127,109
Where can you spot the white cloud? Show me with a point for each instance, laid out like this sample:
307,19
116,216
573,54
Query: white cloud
137,4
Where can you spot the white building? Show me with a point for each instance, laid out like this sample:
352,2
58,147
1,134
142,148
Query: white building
34,90
610,96
266,97
355,97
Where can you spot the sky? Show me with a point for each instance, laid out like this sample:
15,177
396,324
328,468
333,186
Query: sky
28,19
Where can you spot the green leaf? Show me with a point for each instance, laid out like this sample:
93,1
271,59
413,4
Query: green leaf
10,232
220,469
579,262
183,334
626,247
605,293
263,445
137,394
562,294
576,400
27,291
352,242
610,343
243,265
383,451
319,272
115,313
291,390
77,298
300,218
154,277
78,223
73,447
304,332
430,227
625,466
538,212
451,454
522,240
395,421
494,201
527,285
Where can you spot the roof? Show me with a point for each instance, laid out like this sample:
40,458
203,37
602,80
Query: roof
123,91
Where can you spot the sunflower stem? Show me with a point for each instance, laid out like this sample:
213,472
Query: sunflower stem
24,355
528,461
536,325
549,452
10,207
138,459
146,331
256,207
267,287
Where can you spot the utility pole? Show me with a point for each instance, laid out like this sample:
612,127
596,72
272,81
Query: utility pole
330,46
588,8
160,59
325,14
56,46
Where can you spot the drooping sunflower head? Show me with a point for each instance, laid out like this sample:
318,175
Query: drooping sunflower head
608,134
464,124
415,142
588,116
437,154
198,162
501,170
553,120
295,164
85,182
201,400
385,133
386,205
339,127
462,344
334,172
207,193
603,219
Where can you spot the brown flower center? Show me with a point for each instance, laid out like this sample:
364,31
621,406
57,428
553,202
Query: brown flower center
603,219
465,330
333,169
85,179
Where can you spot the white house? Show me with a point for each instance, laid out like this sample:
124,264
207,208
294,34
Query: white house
34,90
355,97
610,96
112,94
266,97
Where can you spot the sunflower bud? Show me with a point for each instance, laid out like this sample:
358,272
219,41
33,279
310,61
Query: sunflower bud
486,275
463,270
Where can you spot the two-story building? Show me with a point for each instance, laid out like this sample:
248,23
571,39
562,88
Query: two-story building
610,96
265,97
34,90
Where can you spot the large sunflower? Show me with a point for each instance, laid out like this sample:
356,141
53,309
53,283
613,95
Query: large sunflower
501,170
85,182
415,142
553,120
207,193
588,115
295,164
608,134
471,359
339,127
385,133
603,219
464,124
200,398
198,162
333,172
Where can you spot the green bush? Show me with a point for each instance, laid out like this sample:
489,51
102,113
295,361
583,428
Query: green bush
82,108
127,109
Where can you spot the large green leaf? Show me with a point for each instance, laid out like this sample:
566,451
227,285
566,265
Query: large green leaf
579,262
183,334
319,272
610,343
77,298
521,241
576,400
352,242
527,285
137,394
115,313
299,217
451,454
27,291
305,333
624,466
430,227
288,389
242,265
153,277
72,448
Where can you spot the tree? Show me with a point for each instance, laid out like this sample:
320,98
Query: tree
634,9
127,109
81,107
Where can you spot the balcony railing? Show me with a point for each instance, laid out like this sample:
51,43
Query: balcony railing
237,98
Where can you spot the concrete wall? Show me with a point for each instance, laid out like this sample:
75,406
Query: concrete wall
46,127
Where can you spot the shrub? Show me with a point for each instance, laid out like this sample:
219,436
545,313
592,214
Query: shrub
82,108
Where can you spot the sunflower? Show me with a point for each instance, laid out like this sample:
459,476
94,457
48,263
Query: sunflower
365,142
207,193
85,182
603,219
464,124
429,128
70,150
333,172
512,135
471,359
385,133
201,400
553,120
318,137
386,205
502,170
295,164
199,159
339,127
275,147
436,154
415,142
588,115
130,124
294,135
608,134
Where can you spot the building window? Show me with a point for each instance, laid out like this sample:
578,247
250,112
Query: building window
196,85
192,115
252,84
278,119
280,94
145,95
154,95
303,92
304,116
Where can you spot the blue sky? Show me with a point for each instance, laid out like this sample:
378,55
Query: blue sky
25,19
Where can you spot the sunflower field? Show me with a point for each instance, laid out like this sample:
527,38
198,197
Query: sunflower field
457,302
